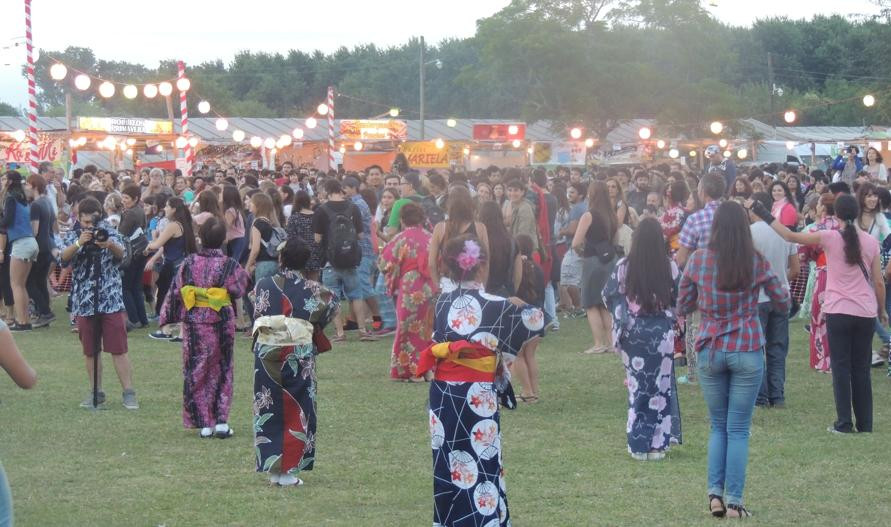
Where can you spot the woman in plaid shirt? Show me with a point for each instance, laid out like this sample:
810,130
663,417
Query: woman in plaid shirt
722,281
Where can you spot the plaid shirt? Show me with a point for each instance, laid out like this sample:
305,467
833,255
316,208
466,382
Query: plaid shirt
729,318
698,227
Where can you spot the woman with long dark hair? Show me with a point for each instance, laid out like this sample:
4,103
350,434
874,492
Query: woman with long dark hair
300,226
504,268
854,299
178,241
722,281
783,205
741,189
461,220
594,240
233,211
796,189
641,294
134,228
16,221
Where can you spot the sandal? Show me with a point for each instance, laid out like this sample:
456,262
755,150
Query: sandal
717,511
595,350
739,511
367,337
531,399
339,338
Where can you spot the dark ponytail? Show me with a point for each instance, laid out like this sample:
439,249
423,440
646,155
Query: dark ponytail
847,210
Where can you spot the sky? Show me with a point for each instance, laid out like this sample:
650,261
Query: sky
147,32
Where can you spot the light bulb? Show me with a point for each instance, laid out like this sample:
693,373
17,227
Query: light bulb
742,153
589,142
311,122
297,133
660,144
222,124
357,146
238,136
165,89
342,150
728,154
513,129
106,89
82,82
130,91
203,107
58,71
181,142
256,141
193,141
466,151
789,117
516,143
183,84
716,127
692,153
575,133
451,123
869,101
284,140
722,143
673,153
439,143
150,91
644,133
269,143
322,109
394,112
790,145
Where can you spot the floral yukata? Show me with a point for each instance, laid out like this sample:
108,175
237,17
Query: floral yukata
646,342
404,262
475,330
819,338
285,374
208,333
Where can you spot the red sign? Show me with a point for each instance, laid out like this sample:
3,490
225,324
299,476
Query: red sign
499,132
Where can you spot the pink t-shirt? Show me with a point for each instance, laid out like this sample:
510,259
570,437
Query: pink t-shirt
847,291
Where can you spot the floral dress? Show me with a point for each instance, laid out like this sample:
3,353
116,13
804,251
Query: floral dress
285,375
819,338
404,263
646,344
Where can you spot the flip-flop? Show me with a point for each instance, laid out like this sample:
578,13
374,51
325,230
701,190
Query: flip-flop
339,338
595,350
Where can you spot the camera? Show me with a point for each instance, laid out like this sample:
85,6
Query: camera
99,234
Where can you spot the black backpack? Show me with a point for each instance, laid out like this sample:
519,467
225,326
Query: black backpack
342,242
277,237
432,211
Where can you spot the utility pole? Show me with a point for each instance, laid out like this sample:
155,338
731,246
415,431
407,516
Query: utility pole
421,78
770,79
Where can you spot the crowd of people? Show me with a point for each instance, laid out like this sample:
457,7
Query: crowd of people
690,277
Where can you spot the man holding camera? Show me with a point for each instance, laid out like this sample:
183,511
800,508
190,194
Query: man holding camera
94,250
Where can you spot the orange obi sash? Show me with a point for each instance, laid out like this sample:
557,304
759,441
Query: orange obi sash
459,361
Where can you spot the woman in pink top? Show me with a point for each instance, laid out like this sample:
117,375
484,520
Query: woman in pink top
854,297
783,207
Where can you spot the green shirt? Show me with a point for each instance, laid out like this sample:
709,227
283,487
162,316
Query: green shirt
393,221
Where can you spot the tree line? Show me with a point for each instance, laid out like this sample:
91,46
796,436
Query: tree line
586,62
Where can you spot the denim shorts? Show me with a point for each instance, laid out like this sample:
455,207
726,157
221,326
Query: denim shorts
344,283
366,272
571,269
25,249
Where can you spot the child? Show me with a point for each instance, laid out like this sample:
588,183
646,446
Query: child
201,297
531,291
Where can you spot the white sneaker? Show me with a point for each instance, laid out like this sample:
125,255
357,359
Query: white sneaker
655,456
638,456
877,360
274,478
287,480
222,431
205,433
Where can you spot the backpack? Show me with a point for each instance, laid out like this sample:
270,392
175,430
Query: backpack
278,237
342,241
432,211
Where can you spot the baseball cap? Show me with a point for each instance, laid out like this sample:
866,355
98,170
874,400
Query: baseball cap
712,150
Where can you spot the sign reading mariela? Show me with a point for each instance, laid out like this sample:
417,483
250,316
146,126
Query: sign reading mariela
49,148
373,129
424,154
124,125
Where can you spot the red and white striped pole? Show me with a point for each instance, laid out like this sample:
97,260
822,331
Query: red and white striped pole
332,164
184,118
32,90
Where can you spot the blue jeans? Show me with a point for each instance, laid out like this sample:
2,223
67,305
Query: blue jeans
882,332
5,501
730,383
385,303
775,326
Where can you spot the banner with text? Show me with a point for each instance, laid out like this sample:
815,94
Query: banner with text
49,148
558,153
424,154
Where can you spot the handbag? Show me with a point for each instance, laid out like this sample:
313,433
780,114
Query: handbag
604,251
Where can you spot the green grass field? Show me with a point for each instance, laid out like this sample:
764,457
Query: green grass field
565,458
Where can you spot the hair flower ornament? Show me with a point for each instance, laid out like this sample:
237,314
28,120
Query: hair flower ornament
470,256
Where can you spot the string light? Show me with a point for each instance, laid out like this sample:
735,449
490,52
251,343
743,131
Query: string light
790,145
181,142
589,142
130,91
466,151
311,122
82,82
342,149
165,89
451,123
193,141
722,143
439,143
716,127
203,107
575,133
673,153
869,101
742,153
644,133
322,109
357,146
183,84
222,124
256,141
58,71
660,144
150,91
283,141
728,153
238,136
789,117
516,143
693,153
297,133
269,143
394,112
106,89
513,129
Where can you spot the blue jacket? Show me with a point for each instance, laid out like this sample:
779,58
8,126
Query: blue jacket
840,161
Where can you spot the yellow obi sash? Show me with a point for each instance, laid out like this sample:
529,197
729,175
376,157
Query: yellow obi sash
215,298
468,354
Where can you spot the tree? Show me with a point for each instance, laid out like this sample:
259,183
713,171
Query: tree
8,110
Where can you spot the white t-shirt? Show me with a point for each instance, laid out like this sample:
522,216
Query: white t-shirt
775,250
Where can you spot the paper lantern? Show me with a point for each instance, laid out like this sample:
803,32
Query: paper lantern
58,71
673,153
869,101
575,133
660,144
311,122
284,141
644,133
297,133
165,89
222,124
19,135
322,109
82,82
150,91
512,129
130,91
181,142
358,146
516,143
451,123
256,141
790,117
193,141
439,143
742,153
203,107
269,143
238,136
106,89
716,127
589,142
394,112
183,84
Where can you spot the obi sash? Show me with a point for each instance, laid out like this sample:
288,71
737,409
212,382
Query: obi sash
459,361
215,298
